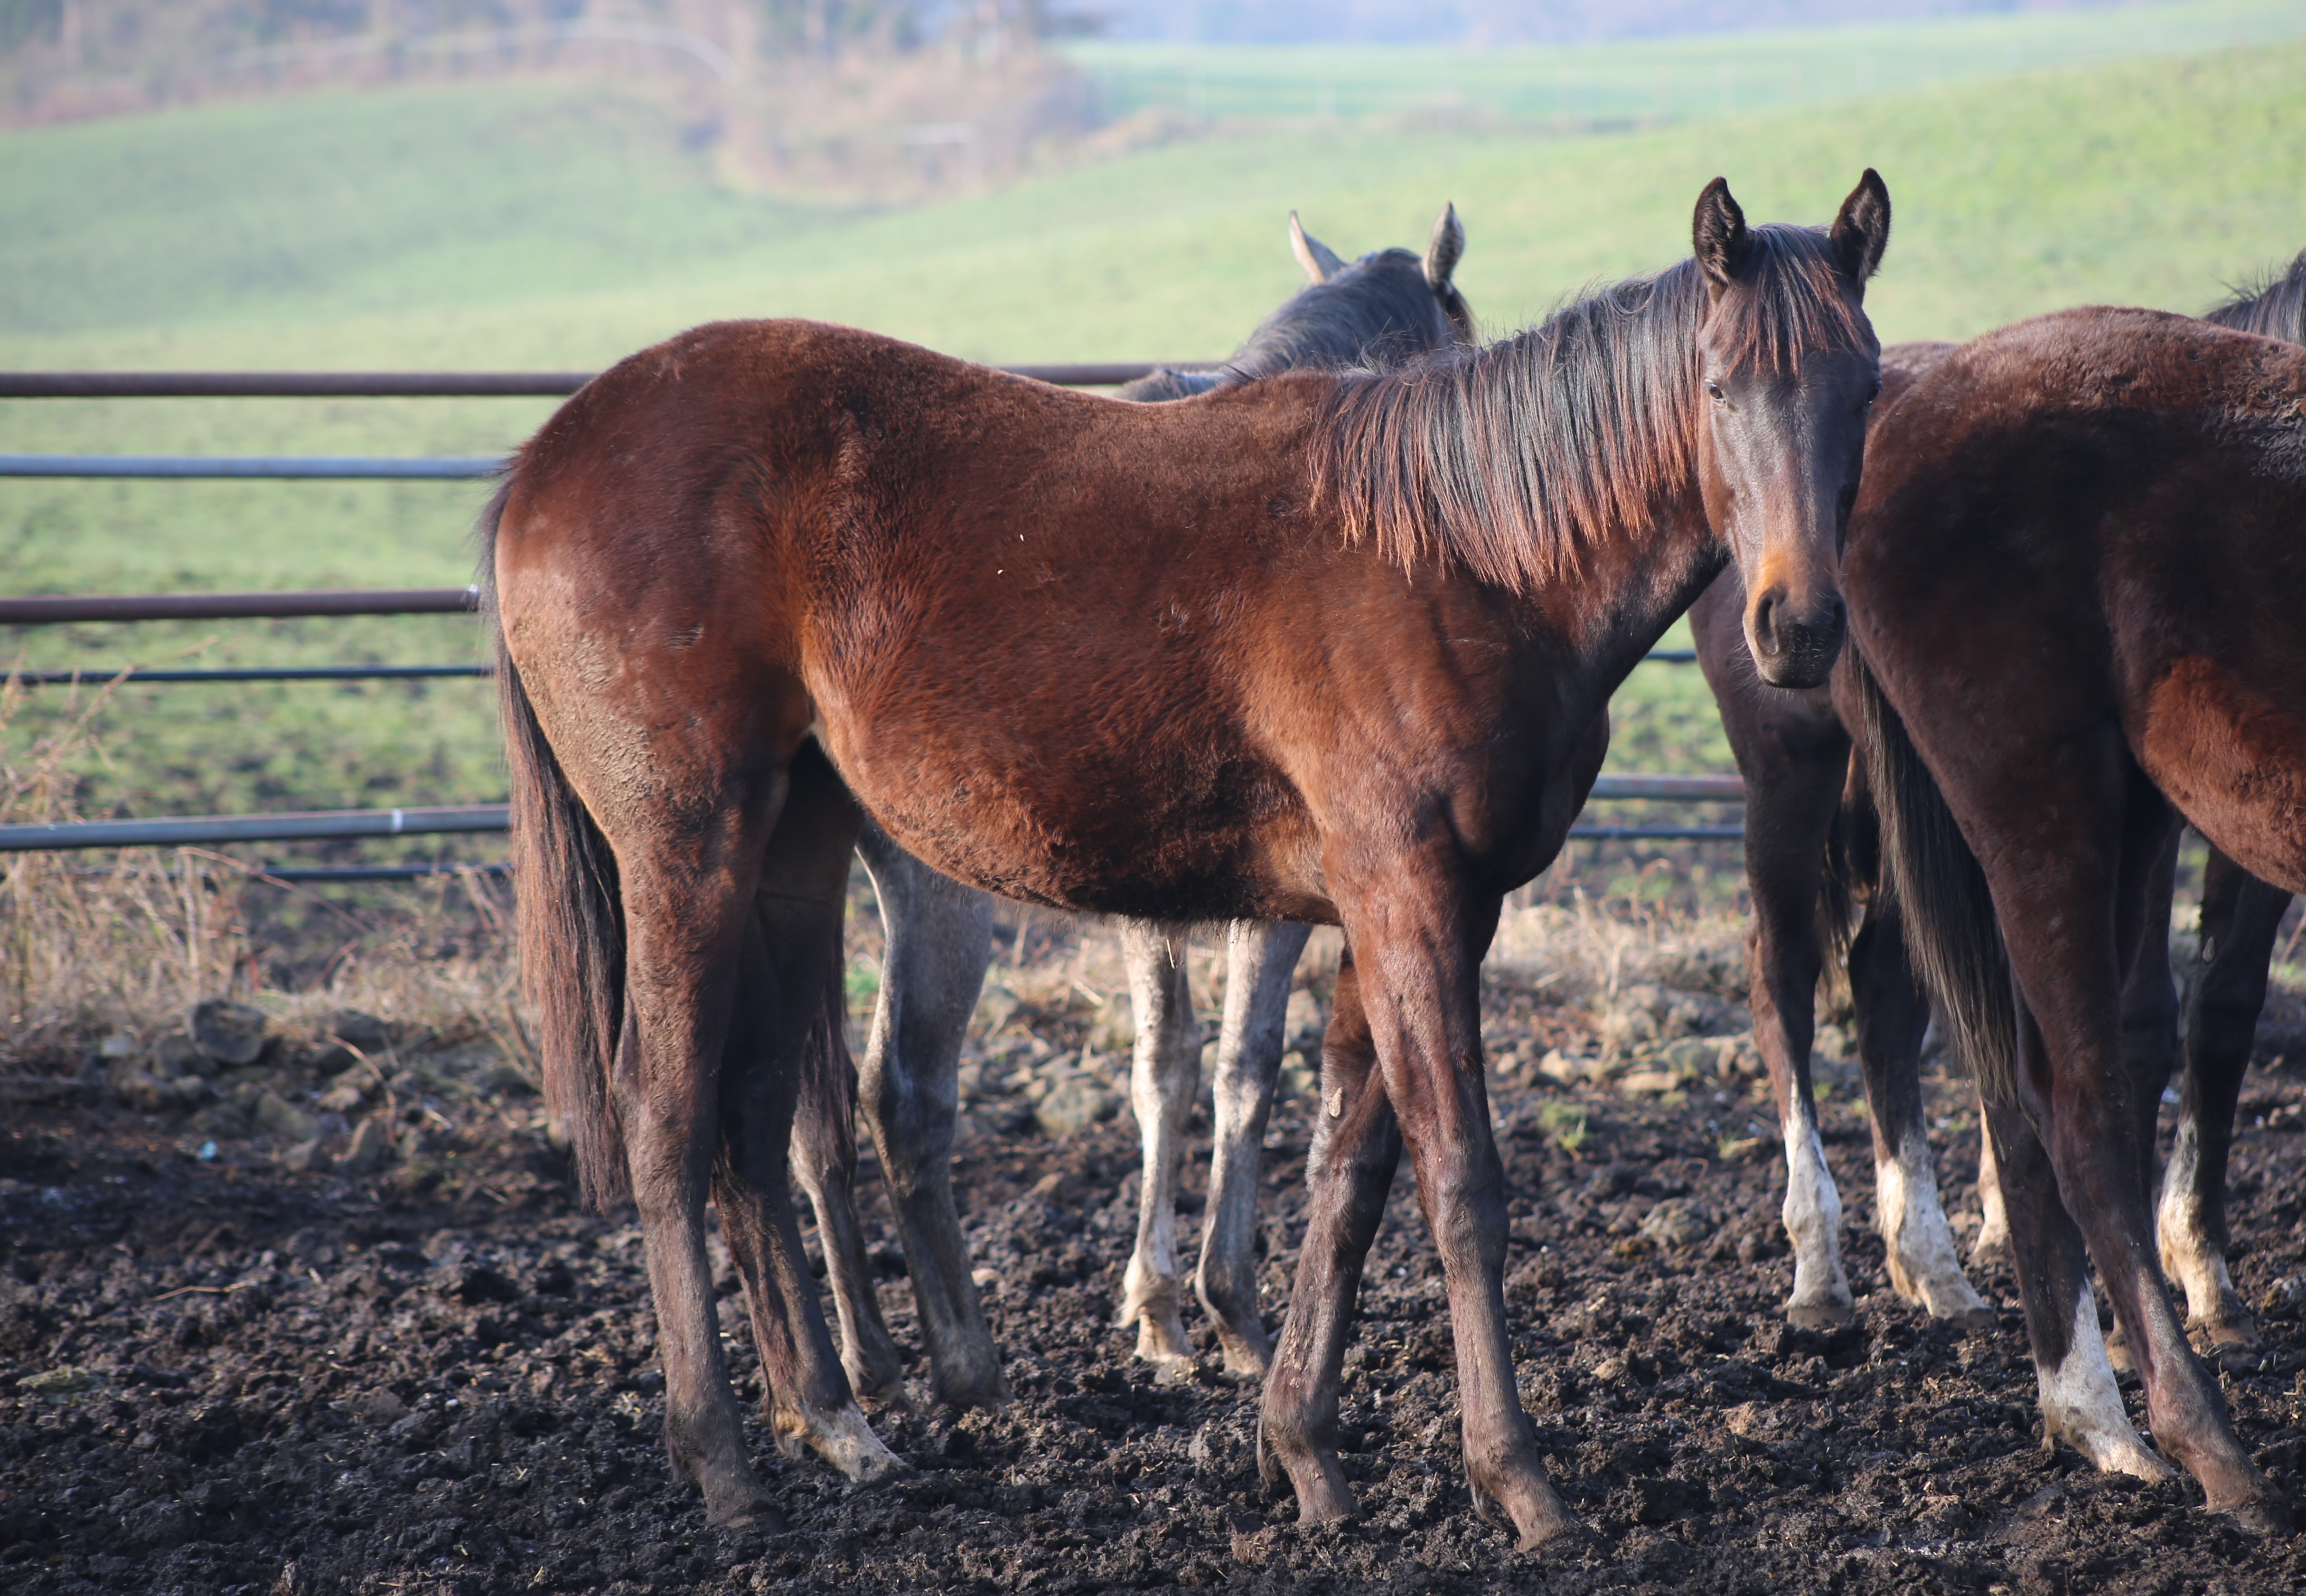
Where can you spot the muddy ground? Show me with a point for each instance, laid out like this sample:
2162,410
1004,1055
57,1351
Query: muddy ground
224,1375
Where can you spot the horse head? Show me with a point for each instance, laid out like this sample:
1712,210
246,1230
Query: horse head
1789,367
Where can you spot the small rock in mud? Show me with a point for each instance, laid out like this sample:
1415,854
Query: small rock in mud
370,1148
1676,1222
379,1406
1075,1103
273,1113
366,1032
229,1032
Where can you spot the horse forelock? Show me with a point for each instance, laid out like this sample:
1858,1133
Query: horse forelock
1511,460
1791,298
2273,309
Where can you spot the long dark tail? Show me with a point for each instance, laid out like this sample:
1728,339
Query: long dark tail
571,923
1950,931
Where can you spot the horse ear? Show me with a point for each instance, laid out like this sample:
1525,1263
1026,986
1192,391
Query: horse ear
1445,249
1862,231
1717,231
1318,260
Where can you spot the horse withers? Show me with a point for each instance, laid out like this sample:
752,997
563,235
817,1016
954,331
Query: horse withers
2073,577
1384,307
1321,648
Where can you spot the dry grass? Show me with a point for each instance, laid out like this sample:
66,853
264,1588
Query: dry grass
124,943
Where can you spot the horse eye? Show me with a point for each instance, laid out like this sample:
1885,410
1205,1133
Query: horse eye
1714,392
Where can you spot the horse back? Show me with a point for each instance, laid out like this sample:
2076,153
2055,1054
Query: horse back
2103,514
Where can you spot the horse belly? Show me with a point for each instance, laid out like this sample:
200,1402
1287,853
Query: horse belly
1156,838
2233,761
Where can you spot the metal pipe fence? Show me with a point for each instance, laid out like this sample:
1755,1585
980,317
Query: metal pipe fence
439,820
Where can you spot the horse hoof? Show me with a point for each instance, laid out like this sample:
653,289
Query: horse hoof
2267,1516
1820,1316
759,1516
1980,1320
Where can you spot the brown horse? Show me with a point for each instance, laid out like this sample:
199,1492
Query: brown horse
2073,581
1318,647
1386,305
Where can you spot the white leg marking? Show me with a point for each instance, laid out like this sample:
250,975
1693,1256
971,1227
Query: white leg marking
1813,1217
2189,1256
1165,1073
1993,1230
2081,1405
1923,1264
842,1438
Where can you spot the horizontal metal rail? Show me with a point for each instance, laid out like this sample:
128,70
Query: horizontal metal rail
139,679
271,467
238,606
206,830
321,877
212,829
1727,790
435,385
1657,833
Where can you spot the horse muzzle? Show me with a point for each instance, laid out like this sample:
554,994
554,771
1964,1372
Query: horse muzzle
1794,644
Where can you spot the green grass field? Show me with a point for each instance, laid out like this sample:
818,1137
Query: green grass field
561,224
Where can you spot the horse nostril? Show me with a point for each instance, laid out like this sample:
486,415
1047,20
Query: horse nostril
1766,610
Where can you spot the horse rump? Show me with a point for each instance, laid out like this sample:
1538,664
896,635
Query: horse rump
570,922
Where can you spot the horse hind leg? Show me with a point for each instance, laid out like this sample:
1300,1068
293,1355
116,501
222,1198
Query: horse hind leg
686,920
939,939
1891,1017
824,1159
2079,1399
1165,1072
2241,916
1261,958
794,1005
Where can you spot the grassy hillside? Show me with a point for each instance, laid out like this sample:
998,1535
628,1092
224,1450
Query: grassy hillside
562,225
1653,80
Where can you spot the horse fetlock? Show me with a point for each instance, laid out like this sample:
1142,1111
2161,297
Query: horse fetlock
1813,1220
875,1374
1919,1245
2081,1404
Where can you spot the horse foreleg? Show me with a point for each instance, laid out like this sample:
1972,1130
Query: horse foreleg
1260,958
2148,1050
824,1160
2241,916
1789,806
1165,1073
1356,1147
1891,1017
1420,946
939,939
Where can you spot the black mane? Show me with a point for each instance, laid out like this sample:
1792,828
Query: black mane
1378,310
2274,309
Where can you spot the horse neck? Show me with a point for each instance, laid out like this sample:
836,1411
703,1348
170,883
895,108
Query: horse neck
1632,585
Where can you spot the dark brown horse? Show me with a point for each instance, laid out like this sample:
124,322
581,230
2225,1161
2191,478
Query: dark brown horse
2242,916
1811,860
1809,846
1323,648
1385,306
2074,582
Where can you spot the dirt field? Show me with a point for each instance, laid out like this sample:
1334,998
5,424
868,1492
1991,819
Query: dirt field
220,1375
